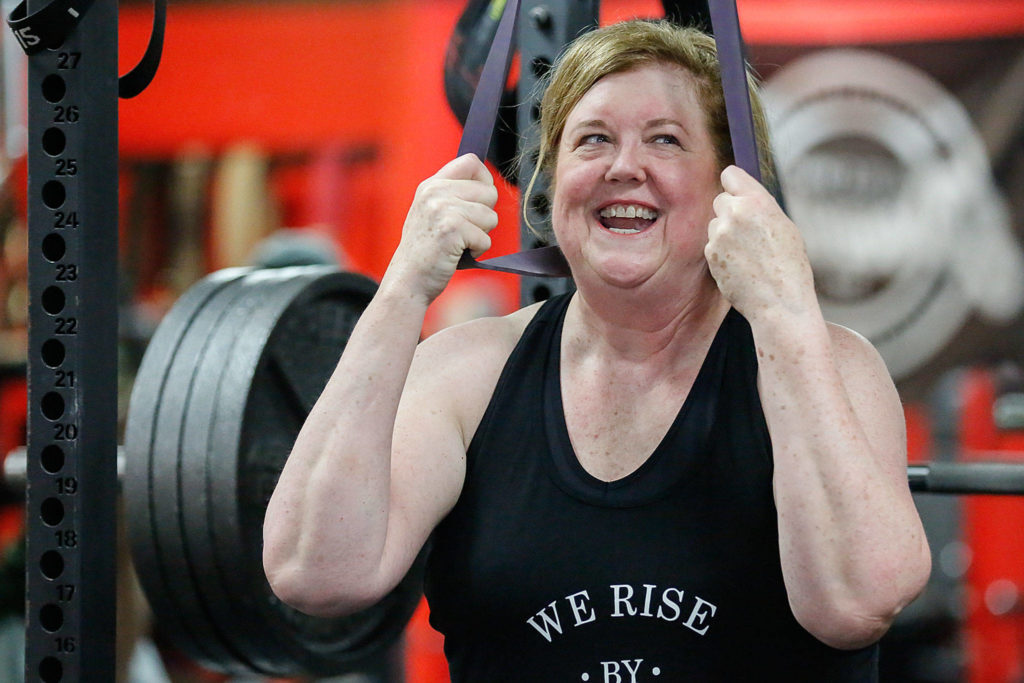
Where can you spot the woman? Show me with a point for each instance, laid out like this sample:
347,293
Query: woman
680,472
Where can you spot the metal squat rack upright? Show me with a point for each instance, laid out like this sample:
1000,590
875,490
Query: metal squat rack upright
545,29
71,492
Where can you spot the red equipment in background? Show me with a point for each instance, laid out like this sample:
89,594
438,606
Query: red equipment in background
13,410
993,529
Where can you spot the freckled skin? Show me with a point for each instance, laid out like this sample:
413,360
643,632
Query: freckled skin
849,533
397,416
657,152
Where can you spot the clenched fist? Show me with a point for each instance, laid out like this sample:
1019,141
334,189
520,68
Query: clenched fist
755,252
452,211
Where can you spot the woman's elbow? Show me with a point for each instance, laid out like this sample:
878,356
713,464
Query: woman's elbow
861,621
848,631
317,590
316,596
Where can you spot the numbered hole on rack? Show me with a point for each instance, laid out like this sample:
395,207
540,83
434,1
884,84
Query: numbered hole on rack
50,670
51,617
54,88
53,247
52,405
53,352
53,300
54,194
51,564
52,459
54,141
51,511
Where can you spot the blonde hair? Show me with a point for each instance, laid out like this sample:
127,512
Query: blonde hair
630,45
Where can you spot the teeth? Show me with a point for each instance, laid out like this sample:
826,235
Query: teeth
628,211
623,231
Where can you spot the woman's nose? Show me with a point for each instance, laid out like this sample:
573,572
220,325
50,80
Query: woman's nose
627,165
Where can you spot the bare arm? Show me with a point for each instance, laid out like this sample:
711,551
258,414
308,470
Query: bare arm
380,459
853,549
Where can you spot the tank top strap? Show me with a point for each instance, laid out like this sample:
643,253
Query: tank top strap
522,376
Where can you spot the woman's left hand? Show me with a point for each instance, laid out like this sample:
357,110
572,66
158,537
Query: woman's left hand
755,252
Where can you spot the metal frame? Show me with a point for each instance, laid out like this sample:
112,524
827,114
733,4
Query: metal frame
545,28
71,492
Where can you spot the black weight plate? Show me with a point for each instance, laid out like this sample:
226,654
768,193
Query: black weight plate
138,483
234,564
240,335
261,406
300,357
298,360
166,498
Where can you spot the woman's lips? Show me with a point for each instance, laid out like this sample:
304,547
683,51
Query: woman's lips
626,218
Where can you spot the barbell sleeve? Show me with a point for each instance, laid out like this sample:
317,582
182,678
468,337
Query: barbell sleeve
997,478
15,469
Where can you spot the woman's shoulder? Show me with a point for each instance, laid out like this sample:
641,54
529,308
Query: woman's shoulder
487,336
459,366
473,353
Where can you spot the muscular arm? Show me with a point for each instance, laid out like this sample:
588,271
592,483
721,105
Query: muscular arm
380,458
852,546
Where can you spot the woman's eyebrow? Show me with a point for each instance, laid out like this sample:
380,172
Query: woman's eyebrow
591,123
654,123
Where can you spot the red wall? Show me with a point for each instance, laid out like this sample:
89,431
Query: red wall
300,76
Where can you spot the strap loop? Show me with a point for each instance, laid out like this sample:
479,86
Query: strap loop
483,112
141,75
476,139
47,27
50,26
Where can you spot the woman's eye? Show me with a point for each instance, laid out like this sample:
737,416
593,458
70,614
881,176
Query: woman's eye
593,139
666,139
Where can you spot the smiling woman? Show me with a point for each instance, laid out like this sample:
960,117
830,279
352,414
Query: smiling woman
655,157
680,469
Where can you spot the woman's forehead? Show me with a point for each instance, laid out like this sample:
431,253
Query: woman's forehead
649,92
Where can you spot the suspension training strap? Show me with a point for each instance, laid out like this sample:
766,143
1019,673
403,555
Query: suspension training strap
729,41
476,139
51,25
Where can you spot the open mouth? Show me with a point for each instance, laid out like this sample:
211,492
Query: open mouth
626,219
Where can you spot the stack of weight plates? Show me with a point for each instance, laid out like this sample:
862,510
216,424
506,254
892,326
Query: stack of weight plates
221,393
888,179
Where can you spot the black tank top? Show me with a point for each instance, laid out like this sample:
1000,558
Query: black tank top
542,572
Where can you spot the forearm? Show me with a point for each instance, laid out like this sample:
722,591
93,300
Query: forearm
327,520
340,529
851,542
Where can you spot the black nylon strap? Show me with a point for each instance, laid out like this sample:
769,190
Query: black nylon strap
476,139
141,75
51,25
729,41
483,112
48,27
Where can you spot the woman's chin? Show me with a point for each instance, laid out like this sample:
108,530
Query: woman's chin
620,272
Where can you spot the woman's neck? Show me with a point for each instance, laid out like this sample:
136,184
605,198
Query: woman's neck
642,325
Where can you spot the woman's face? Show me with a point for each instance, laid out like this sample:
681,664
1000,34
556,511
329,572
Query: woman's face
635,177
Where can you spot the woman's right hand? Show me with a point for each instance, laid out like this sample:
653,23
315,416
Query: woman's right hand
452,211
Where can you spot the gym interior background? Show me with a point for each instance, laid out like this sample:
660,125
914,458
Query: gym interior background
277,130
